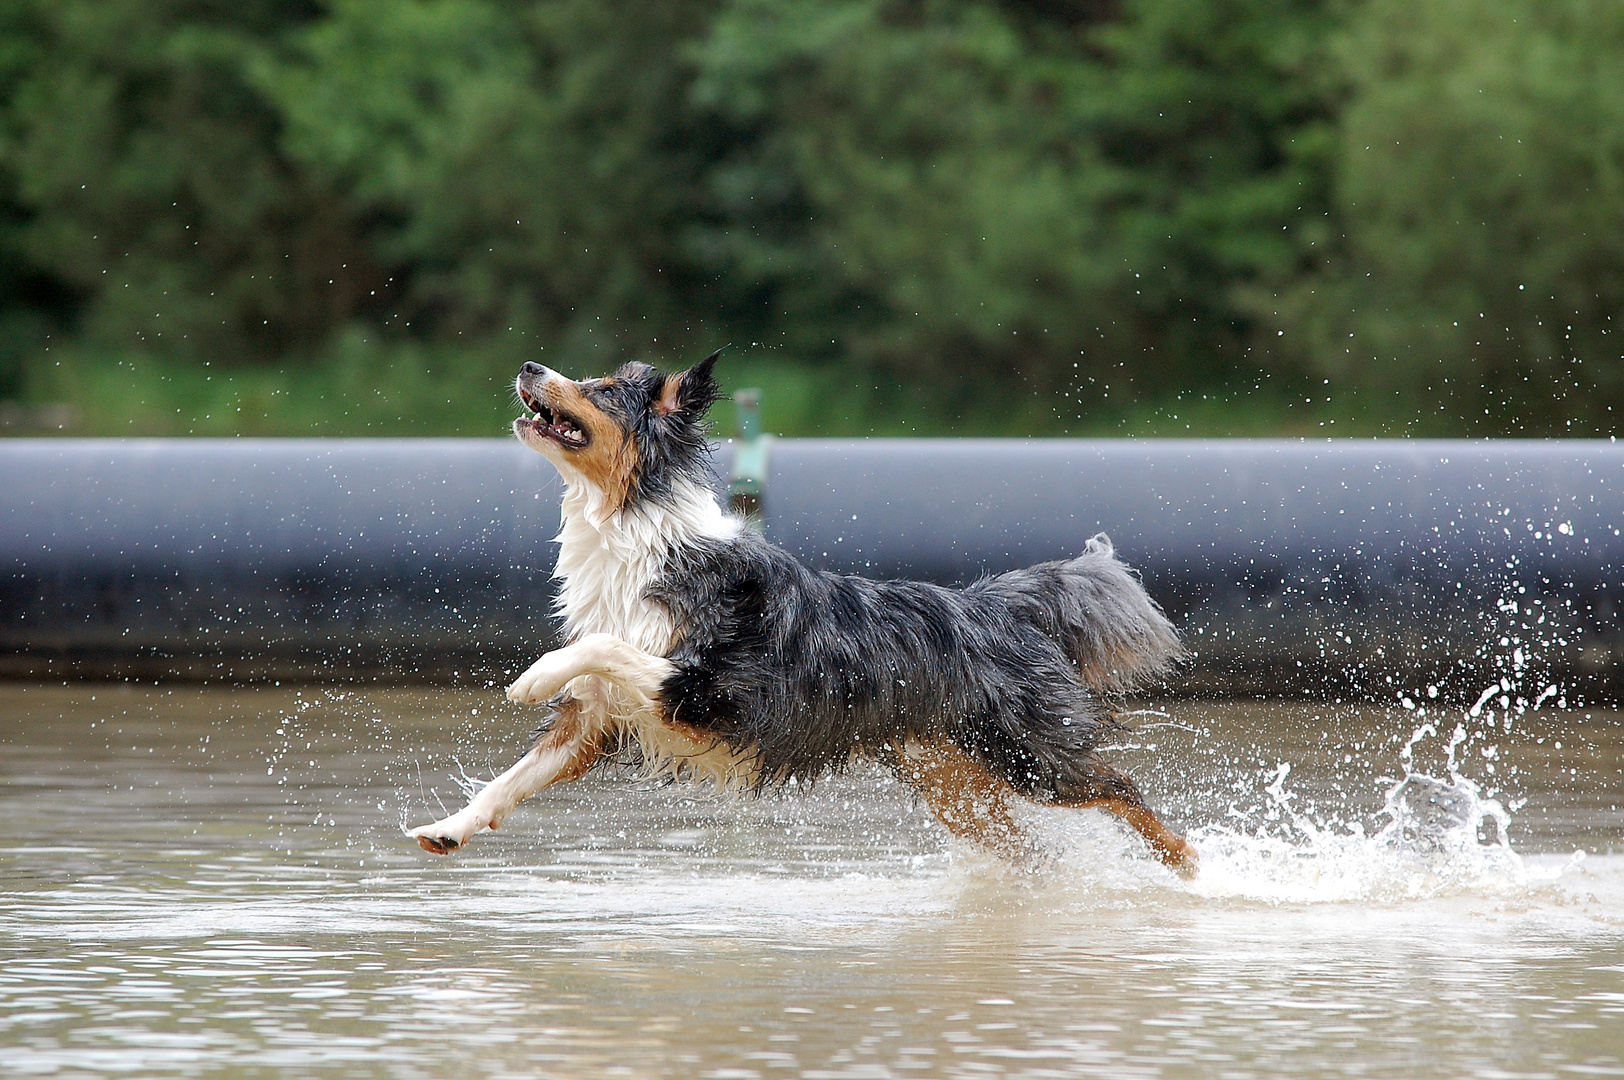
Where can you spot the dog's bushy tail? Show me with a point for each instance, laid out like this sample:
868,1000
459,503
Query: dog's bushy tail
1094,607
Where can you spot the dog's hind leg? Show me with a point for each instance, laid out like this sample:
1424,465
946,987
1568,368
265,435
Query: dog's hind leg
1111,791
565,749
626,665
968,799
975,804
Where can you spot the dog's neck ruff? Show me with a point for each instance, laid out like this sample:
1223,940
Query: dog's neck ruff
608,561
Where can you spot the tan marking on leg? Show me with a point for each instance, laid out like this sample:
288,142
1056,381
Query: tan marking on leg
574,762
965,797
587,754
1168,846
564,752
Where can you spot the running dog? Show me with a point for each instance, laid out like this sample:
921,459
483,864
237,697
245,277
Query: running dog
704,651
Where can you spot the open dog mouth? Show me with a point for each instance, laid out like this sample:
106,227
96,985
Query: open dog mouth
552,424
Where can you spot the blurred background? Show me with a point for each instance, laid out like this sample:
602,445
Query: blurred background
967,217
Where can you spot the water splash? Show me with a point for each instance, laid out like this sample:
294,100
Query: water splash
1435,835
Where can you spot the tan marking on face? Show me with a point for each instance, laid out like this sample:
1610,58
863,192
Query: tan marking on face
610,459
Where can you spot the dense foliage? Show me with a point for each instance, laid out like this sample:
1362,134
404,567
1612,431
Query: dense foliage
936,215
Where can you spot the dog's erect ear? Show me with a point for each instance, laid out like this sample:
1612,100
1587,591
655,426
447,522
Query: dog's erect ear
690,392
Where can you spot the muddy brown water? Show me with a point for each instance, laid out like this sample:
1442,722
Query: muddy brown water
211,882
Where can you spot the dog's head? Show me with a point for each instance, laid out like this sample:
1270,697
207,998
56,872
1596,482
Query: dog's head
630,435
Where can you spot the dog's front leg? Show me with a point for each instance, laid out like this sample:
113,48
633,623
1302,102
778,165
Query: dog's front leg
569,746
625,665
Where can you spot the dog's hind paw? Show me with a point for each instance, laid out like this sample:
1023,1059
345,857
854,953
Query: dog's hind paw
1179,856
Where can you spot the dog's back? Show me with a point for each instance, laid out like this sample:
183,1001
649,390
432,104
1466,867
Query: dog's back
807,669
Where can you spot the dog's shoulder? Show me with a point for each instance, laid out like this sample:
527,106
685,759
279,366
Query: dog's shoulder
710,566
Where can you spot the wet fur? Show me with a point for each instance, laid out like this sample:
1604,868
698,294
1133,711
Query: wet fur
699,647
807,669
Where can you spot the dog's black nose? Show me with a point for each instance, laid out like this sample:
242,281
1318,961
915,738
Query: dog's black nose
532,368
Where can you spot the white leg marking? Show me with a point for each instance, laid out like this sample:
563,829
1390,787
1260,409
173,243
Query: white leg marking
595,654
562,754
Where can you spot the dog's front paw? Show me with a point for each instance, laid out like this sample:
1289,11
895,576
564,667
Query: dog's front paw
446,835
539,683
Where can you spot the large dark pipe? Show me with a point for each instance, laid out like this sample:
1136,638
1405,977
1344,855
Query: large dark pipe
1289,565
1346,567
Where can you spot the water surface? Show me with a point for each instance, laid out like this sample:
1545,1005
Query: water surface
214,882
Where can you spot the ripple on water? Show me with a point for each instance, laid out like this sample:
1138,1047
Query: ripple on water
177,912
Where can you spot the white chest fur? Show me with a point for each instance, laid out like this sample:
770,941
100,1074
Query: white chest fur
607,563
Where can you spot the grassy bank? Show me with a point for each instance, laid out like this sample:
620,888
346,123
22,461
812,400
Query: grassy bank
365,389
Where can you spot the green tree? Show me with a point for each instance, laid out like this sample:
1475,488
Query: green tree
951,186
152,188
997,215
32,302
523,168
1480,187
